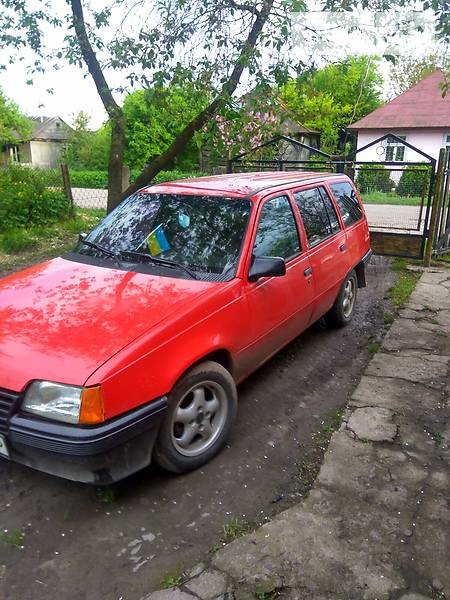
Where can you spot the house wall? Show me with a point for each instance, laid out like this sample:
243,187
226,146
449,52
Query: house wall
45,153
429,141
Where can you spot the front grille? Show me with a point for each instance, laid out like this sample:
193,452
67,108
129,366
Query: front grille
7,402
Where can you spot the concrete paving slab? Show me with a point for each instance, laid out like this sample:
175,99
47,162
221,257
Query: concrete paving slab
373,424
375,524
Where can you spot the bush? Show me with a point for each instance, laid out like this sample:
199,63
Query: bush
168,175
30,197
99,179
374,178
89,179
415,181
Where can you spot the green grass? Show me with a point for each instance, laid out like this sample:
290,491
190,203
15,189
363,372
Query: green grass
373,347
171,580
388,318
399,293
390,198
105,494
234,529
22,247
13,538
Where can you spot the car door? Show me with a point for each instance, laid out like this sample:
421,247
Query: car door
279,307
357,234
326,245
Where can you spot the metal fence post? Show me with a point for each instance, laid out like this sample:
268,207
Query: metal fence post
66,184
436,207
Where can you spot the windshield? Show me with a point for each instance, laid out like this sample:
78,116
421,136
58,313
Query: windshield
175,233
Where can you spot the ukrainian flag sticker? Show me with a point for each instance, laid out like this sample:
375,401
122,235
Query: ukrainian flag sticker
157,241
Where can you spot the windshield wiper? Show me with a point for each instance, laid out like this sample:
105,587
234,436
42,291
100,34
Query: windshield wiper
102,249
160,261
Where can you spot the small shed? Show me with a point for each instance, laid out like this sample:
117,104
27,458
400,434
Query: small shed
48,140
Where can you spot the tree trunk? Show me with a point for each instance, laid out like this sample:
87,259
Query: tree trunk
115,165
114,111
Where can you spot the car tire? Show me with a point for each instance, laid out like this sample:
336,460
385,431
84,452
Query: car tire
341,312
201,410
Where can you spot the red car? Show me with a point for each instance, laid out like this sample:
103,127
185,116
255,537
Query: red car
129,348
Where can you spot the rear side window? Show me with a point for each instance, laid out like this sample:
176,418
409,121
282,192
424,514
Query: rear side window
348,202
277,233
318,215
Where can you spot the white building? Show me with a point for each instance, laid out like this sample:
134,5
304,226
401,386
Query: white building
45,148
420,116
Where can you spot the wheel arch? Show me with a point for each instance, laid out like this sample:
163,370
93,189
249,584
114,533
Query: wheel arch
222,356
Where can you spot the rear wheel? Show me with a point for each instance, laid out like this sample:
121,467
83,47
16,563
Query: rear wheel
341,312
202,407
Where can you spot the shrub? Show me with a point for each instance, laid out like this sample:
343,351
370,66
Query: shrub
89,179
168,175
415,181
374,178
29,197
99,179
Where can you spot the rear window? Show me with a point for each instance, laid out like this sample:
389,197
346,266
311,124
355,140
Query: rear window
347,202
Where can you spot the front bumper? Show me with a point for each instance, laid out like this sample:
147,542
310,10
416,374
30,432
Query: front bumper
98,454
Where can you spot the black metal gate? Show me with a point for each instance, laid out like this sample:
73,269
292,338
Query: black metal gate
396,194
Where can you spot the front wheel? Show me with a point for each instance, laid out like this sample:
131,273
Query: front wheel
341,312
202,407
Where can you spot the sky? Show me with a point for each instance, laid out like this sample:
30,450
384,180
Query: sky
74,90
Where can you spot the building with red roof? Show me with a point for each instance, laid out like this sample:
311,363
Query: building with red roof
420,116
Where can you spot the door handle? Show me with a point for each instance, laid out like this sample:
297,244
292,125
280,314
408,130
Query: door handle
343,247
307,271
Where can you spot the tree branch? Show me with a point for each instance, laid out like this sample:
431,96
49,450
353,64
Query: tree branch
111,106
202,118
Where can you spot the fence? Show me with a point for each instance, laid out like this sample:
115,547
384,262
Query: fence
396,194
31,196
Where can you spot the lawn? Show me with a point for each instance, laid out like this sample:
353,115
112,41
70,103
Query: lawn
390,198
20,248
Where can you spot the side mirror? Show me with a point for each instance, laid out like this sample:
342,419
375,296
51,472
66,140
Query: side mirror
266,266
82,236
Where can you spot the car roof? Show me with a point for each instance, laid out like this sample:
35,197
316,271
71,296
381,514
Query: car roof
238,184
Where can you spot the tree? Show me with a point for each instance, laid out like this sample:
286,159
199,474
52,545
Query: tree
88,149
14,126
331,98
208,42
153,119
407,71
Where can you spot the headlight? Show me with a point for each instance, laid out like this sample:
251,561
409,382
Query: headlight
54,401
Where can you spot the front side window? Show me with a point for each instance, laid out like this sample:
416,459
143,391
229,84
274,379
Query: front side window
201,233
277,233
347,202
315,215
395,150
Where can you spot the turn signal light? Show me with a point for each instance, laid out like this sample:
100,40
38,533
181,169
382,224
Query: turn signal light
92,410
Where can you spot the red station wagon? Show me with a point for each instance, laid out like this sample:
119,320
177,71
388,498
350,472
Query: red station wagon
129,348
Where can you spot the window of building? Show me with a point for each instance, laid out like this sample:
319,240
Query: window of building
318,215
395,150
447,141
277,233
347,202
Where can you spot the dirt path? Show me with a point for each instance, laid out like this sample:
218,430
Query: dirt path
79,548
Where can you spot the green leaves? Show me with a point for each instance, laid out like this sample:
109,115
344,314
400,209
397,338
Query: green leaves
14,126
331,98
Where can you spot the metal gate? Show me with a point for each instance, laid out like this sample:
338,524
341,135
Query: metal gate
443,221
396,194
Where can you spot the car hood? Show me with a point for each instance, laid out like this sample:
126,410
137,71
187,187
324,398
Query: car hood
61,320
